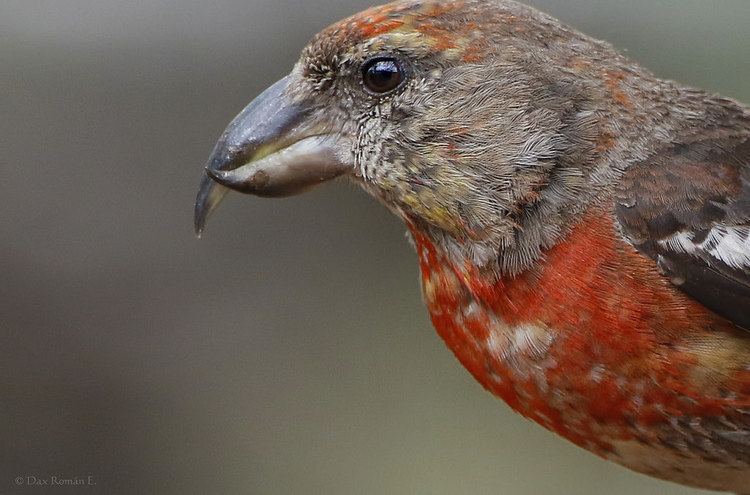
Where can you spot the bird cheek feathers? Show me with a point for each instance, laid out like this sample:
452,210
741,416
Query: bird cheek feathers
426,206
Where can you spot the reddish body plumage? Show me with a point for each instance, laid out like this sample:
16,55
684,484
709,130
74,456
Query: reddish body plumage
593,344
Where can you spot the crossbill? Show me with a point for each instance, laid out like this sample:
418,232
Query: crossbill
582,227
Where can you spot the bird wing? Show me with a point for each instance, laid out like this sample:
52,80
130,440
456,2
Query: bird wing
688,208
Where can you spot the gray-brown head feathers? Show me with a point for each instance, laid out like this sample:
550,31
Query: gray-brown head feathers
508,125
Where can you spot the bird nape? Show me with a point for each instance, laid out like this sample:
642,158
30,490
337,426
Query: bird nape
582,227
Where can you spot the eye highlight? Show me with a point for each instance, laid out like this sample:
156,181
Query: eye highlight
383,75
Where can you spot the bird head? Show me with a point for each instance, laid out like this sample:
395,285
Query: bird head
469,119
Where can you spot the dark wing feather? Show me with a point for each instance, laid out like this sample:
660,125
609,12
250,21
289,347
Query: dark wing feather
688,208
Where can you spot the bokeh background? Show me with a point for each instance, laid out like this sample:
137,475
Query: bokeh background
287,352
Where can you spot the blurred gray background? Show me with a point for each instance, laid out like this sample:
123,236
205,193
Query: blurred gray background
288,352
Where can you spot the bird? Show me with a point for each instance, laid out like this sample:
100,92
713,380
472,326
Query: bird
582,227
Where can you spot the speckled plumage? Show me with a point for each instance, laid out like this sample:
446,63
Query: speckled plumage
583,227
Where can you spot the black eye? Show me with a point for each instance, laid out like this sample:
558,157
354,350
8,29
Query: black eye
382,75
